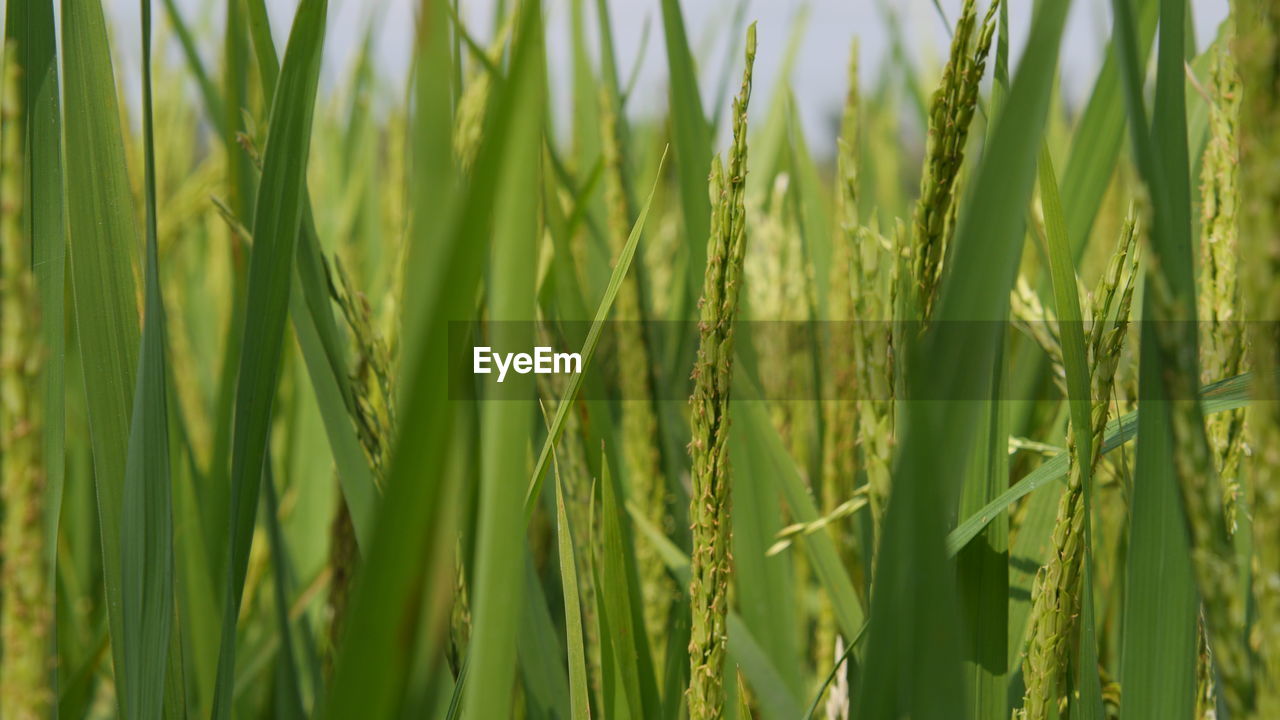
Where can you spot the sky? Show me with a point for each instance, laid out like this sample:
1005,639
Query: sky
818,77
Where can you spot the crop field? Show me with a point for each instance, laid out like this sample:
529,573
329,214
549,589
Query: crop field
496,390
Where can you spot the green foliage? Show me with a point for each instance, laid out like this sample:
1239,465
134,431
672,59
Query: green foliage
925,500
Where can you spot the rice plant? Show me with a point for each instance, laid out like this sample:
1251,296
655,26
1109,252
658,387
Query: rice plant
448,399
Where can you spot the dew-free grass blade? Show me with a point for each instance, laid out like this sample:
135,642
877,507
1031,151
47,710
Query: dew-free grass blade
277,220
1080,403
1229,394
912,632
264,46
146,542
102,237
288,691
765,599
983,567
506,424
208,92
776,698
1095,147
750,416
317,332
588,350
539,650
579,703
622,600
406,584
43,193
691,138
1158,636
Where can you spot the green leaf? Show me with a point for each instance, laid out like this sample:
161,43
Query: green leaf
1095,146
588,350
146,542
208,92
1229,394
318,339
578,697
821,549
1158,635
102,237
289,683
406,586
506,425
277,220
1080,401
618,594
775,697
765,585
264,46
45,218
538,650
913,633
982,567
691,138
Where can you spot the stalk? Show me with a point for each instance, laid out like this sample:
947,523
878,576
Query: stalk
25,620
640,444
1056,591
710,506
950,113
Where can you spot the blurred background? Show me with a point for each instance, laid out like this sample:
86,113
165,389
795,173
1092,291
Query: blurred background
821,31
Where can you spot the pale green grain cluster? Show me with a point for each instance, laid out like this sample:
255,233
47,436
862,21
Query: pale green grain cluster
840,422
777,297
877,269
468,122
1056,592
640,443
372,381
373,408
950,113
1257,52
1222,333
710,504
25,617
840,412
1206,689
1040,324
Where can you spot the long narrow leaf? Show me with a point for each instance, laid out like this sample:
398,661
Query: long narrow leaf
572,610
1158,635
1080,401
277,220
913,631
1229,394
588,349
506,425
102,236
37,58
146,542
